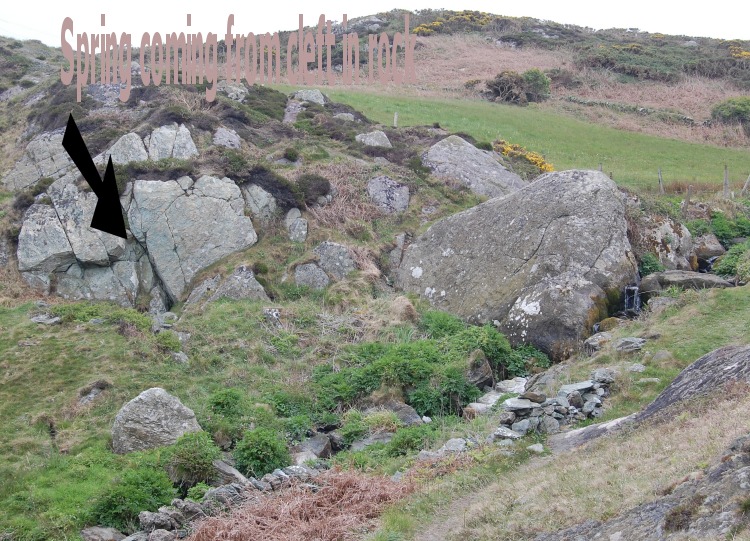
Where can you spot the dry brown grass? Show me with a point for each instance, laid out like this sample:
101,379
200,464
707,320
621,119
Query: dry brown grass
611,475
344,506
13,290
350,206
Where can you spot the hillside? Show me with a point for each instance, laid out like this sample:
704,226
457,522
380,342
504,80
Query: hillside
323,326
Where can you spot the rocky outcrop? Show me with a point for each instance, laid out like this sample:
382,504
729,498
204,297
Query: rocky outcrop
241,284
171,141
388,195
311,275
261,204
545,263
706,506
44,157
659,281
153,419
226,137
670,241
312,95
706,375
129,148
186,226
456,159
708,246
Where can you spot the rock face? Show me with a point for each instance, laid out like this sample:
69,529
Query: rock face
706,375
129,148
455,158
44,157
187,226
43,246
543,262
171,141
708,507
388,195
261,204
658,281
672,242
374,139
152,419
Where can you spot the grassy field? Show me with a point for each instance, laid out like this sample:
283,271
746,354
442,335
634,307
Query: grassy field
632,158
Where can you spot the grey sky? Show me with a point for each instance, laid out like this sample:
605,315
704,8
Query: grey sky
42,19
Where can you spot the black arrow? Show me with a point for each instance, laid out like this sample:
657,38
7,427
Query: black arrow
108,211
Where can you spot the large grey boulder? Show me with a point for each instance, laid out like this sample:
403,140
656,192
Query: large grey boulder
708,246
659,281
43,246
128,148
152,419
457,159
375,138
188,226
171,141
335,259
388,195
117,283
545,263
44,157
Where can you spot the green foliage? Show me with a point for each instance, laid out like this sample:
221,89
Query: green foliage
537,85
493,344
413,438
168,341
509,87
437,324
235,161
698,228
197,492
135,491
726,229
85,311
354,427
260,452
733,110
291,154
521,360
227,402
297,427
484,145
649,264
287,403
192,458
728,263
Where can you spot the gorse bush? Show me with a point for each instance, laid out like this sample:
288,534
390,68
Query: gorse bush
520,89
135,491
260,452
733,110
192,458
537,85
735,257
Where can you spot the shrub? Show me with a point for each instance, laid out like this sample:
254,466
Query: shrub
311,186
260,452
168,341
413,438
297,427
727,265
698,228
354,427
192,458
227,402
197,492
649,264
733,110
537,85
135,491
484,145
291,154
508,86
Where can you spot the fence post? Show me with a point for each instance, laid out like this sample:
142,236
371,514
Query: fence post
726,182
395,119
661,183
600,166
746,186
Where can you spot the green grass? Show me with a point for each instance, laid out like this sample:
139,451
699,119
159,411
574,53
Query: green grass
633,158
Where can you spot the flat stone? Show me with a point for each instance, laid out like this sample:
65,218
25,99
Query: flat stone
516,385
537,448
629,344
504,432
345,116
454,445
636,367
581,387
603,375
597,341
515,404
374,139
46,319
381,437
310,94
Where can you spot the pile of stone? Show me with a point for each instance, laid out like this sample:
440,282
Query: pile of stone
534,411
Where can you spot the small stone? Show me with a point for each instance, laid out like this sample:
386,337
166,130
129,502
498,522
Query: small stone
162,535
549,425
636,367
46,319
504,432
534,397
426,419
581,387
374,139
597,341
454,445
180,357
662,356
629,345
507,418
521,427
537,448
345,116
575,399
98,533
603,375
648,380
